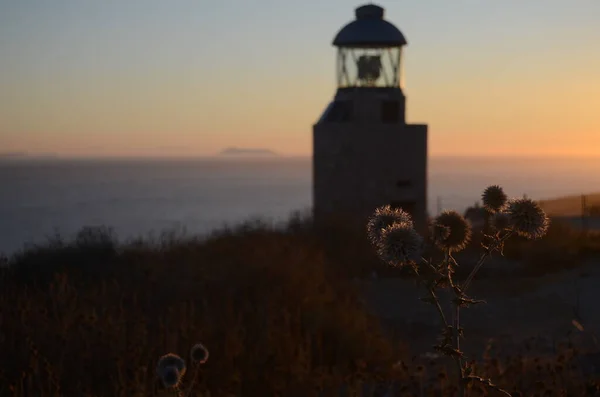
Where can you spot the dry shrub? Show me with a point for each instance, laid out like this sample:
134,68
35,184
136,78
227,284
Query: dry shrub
344,244
530,373
273,310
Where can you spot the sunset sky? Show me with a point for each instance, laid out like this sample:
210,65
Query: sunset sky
186,78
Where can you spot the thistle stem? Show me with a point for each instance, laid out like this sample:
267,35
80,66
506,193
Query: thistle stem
178,391
459,364
497,244
440,311
456,326
434,297
489,384
438,306
196,372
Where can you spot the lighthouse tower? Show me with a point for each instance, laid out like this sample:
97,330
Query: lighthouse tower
365,155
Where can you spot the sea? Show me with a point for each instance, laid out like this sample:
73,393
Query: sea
40,198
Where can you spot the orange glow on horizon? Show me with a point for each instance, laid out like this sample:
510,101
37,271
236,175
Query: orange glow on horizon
483,90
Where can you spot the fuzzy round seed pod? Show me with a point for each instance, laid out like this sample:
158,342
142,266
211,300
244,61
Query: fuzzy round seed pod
170,360
400,244
199,353
439,232
460,230
527,218
501,220
171,377
494,198
383,217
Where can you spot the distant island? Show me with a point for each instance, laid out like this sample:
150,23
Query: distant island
12,155
25,156
258,152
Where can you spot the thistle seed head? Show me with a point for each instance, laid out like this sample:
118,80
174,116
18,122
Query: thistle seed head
383,217
439,232
501,221
199,353
460,230
527,218
494,198
400,244
170,360
171,377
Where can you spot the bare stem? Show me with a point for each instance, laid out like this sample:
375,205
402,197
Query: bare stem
196,372
459,364
495,245
455,326
178,391
489,384
438,306
435,299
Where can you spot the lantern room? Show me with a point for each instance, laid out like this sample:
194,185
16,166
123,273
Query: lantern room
369,51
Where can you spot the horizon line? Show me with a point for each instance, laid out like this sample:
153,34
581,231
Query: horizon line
46,156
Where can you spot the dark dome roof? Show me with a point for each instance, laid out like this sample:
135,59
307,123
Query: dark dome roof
369,30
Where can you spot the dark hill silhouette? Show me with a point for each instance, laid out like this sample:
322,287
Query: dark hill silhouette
234,151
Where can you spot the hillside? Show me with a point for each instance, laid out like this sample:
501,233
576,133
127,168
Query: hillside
569,205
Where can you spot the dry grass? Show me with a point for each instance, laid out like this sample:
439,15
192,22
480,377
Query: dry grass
277,310
91,318
562,248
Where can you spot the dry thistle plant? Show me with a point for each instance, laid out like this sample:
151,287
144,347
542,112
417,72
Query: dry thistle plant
392,233
171,369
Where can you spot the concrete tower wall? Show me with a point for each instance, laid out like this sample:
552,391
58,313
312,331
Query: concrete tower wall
358,167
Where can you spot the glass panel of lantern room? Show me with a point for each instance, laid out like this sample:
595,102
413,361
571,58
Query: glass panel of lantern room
369,67
394,60
344,60
391,66
338,67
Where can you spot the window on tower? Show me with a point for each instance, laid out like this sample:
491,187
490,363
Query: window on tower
390,111
403,183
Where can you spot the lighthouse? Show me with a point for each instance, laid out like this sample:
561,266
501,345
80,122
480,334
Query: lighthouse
365,154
